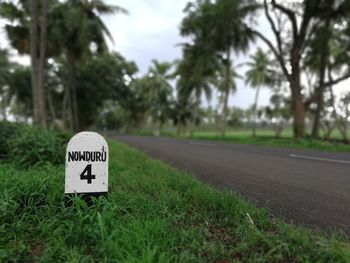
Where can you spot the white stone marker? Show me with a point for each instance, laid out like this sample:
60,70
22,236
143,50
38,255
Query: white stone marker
87,165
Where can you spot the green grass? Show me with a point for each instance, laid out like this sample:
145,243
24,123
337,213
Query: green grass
287,133
154,213
264,138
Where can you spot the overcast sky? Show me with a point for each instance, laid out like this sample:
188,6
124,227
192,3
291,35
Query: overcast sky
151,31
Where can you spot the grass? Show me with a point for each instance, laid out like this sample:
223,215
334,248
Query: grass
154,213
264,137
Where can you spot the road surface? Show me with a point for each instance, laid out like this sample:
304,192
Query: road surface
304,187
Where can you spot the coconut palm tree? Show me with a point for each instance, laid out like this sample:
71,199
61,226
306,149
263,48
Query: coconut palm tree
159,92
27,32
5,92
4,66
183,110
258,75
195,72
220,82
221,26
79,28
227,89
73,27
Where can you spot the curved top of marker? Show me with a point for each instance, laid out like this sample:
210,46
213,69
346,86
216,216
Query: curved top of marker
90,134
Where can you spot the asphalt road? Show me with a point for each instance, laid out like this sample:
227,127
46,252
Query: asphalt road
304,187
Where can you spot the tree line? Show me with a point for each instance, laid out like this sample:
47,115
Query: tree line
75,82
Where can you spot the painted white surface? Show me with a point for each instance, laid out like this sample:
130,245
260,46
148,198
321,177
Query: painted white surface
86,144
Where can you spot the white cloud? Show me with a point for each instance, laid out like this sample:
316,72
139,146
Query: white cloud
150,31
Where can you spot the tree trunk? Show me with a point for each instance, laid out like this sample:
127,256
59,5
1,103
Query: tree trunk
42,63
196,111
227,91
255,107
72,87
298,108
160,128
345,134
320,89
38,59
178,130
67,117
34,57
334,113
328,129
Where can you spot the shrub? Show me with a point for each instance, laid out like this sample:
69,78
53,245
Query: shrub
33,147
8,130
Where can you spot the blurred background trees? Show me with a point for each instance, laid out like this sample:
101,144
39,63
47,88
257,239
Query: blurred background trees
75,82
259,74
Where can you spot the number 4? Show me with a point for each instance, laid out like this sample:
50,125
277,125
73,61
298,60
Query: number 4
86,174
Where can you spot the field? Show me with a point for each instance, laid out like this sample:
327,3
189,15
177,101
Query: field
154,213
264,137
286,133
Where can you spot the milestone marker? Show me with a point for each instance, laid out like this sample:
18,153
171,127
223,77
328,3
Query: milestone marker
87,165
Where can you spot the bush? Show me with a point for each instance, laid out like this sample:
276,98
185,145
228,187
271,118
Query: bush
36,147
8,130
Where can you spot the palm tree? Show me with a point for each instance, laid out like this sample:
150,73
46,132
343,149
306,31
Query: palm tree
37,43
79,26
159,92
73,26
5,93
221,26
230,32
4,66
27,32
195,72
258,75
183,110
225,89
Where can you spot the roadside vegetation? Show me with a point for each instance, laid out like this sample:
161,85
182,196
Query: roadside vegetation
264,137
154,213
267,140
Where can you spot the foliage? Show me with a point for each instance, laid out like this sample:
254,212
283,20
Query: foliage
260,72
221,23
27,146
159,93
278,114
195,71
111,74
5,72
8,132
236,117
217,28
183,111
5,65
21,89
74,28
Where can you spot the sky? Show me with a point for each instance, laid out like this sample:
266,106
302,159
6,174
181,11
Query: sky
151,31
